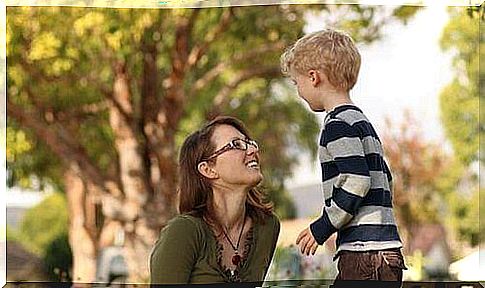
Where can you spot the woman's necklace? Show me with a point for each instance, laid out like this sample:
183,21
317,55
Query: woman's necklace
236,259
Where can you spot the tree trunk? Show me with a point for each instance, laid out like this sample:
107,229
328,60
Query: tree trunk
138,244
133,174
82,245
134,177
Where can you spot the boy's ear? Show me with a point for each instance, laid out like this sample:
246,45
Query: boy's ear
315,77
206,170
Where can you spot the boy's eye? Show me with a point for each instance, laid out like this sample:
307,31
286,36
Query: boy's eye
293,82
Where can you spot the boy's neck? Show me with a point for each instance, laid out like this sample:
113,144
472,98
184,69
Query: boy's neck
336,98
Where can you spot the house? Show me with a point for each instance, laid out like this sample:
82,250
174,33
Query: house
18,201
429,240
470,267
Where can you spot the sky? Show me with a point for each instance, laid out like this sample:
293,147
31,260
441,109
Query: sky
405,70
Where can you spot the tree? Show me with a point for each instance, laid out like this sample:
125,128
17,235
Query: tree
43,231
416,166
460,99
105,97
459,104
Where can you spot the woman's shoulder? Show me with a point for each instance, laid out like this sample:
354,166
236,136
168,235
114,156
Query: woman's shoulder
183,224
272,221
269,230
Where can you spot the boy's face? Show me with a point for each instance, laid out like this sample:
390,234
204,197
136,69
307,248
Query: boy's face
307,87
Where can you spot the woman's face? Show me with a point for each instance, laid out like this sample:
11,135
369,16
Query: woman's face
235,166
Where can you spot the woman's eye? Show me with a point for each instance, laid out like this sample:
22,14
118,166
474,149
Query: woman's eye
239,144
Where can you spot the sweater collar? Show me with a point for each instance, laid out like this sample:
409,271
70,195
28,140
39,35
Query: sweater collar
340,108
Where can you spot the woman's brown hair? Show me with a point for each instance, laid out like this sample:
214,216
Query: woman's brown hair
196,197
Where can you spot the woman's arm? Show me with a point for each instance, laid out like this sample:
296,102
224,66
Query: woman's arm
275,224
175,253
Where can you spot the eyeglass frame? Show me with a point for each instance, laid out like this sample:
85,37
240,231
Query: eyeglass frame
231,146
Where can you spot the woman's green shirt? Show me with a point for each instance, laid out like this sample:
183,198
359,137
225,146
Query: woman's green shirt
187,252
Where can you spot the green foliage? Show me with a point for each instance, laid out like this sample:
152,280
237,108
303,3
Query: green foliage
58,257
466,218
29,159
404,13
481,216
12,234
459,191
44,231
459,104
459,100
44,222
61,68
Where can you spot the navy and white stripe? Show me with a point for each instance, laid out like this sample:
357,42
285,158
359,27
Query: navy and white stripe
357,185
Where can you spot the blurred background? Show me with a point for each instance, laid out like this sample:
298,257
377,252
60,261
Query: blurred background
99,101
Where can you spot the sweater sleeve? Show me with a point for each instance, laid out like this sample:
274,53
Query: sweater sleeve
353,181
175,253
274,234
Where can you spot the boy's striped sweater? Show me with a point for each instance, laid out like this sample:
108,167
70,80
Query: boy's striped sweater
356,185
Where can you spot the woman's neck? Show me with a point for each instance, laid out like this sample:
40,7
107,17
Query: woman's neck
230,208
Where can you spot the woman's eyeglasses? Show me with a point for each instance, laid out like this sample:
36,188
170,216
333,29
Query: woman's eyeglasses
239,144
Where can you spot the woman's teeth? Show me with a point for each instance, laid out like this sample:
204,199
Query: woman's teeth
252,164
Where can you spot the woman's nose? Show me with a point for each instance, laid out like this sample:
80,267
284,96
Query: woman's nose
251,150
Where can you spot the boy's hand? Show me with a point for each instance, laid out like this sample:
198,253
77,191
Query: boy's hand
306,242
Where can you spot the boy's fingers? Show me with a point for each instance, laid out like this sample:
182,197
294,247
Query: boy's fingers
299,245
298,239
303,245
300,236
311,246
314,248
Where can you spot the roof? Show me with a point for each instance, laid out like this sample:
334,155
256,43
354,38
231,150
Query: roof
471,267
425,236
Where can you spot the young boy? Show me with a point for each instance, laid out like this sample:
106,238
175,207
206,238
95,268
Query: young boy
356,179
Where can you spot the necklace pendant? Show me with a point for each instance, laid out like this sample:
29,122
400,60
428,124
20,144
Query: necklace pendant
236,259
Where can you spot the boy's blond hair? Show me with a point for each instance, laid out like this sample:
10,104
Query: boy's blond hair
330,51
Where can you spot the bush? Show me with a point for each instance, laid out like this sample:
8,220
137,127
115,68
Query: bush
44,231
58,258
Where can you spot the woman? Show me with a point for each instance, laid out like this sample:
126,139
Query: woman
225,232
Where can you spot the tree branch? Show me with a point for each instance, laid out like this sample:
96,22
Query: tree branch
199,50
149,104
244,75
61,142
112,101
213,73
180,49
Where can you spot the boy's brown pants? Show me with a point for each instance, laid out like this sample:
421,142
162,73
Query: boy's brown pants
384,267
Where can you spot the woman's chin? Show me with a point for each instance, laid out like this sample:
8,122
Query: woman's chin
257,179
